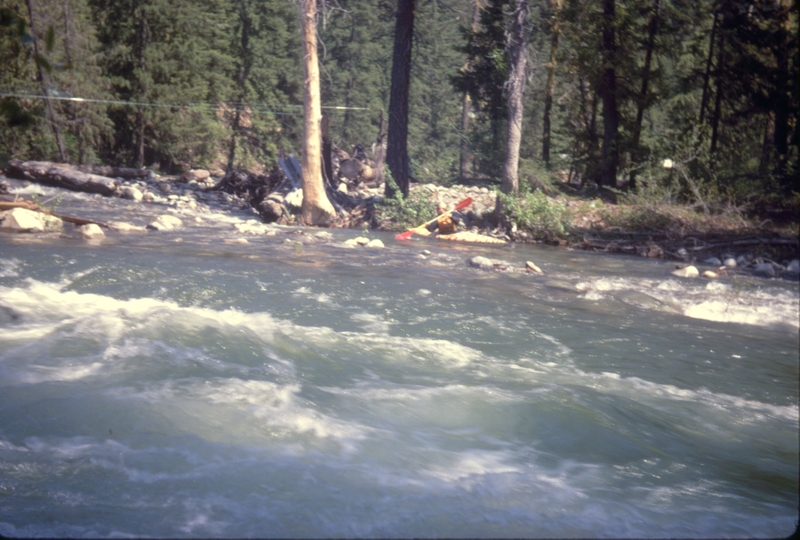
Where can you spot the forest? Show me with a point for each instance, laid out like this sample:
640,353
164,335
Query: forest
675,96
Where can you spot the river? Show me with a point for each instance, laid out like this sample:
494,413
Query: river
183,384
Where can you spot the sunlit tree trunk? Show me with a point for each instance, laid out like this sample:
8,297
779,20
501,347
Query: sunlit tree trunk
316,208
515,87
466,106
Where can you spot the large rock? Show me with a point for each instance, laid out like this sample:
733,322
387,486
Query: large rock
132,193
481,262
765,270
24,220
91,231
688,271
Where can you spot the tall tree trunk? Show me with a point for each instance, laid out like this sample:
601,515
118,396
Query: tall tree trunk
781,105
555,30
715,118
608,169
515,88
44,77
316,208
140,120
466,106
767,145
380,151
642,101
243,73
397,147
707,75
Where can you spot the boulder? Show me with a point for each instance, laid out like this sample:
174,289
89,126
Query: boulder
687,271
531,267
713,261
375,243
765,270
24,220
481,262
295,198
730,262
132,193
91,231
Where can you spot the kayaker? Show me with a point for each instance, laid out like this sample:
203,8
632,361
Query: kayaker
447,222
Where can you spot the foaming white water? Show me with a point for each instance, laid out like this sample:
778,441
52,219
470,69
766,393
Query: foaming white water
743,301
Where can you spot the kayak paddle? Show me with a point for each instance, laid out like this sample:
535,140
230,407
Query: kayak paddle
409,233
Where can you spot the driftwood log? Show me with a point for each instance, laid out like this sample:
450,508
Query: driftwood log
61,176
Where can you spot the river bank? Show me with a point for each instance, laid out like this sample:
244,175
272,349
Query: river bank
713,248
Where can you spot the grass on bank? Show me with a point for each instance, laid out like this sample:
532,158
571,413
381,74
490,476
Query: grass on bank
549,210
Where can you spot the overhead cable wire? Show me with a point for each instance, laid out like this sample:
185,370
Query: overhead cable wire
192,106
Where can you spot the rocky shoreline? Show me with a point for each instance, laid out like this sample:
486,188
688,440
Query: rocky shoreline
275,200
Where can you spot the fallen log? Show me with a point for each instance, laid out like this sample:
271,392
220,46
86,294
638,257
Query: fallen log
112,172
50,174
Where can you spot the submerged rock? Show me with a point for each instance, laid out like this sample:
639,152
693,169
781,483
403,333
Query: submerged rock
531,267
165,222
125,227
481,262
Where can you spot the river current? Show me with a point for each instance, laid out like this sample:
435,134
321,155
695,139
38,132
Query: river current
184,384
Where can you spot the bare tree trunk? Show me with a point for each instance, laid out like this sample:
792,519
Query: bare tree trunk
707,75
608,168
551,80
52,117
316,208
515,88
241,78
140,121
637,127
380,151
466,106
718,97
397,147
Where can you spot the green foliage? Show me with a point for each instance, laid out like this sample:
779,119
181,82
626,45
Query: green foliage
537,213
402,213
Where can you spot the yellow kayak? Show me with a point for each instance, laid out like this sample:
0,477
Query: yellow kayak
462,236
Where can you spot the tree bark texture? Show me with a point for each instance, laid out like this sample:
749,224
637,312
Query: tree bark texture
397,146
515,88
44,172
642,101
608,168
140,121
316,208
551,80
466,106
